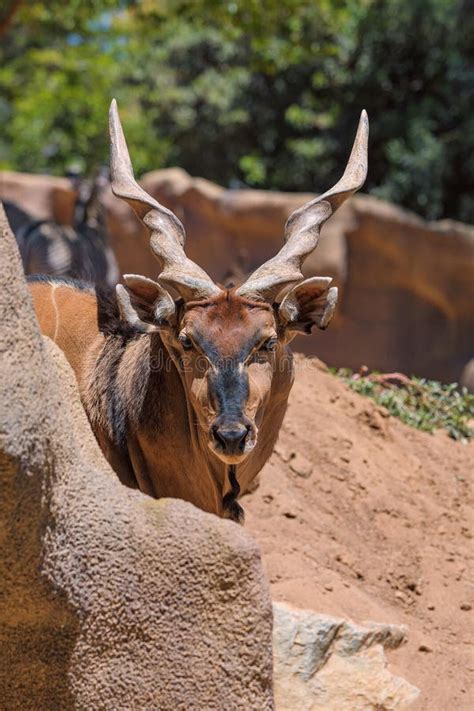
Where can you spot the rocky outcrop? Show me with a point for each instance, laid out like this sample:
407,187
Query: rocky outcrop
44,197
409,292
109,600
327,664
406,285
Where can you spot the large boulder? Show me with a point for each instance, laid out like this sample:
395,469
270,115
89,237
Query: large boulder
327,664
109,599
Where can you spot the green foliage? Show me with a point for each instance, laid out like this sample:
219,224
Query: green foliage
424,404
245,92
54,87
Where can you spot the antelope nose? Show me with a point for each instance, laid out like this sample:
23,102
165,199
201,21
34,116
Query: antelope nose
231,439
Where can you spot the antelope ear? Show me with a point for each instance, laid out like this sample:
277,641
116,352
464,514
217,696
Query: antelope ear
310,302
145,304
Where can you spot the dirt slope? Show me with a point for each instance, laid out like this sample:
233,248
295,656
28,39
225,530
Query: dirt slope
361,516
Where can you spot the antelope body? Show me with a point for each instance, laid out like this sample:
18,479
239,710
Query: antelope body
186,383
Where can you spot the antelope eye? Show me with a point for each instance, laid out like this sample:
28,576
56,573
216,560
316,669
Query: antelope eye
269,345
186,342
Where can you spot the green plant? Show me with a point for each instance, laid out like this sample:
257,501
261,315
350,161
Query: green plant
424,404
248,93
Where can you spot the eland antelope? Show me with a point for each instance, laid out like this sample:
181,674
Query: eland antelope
186,383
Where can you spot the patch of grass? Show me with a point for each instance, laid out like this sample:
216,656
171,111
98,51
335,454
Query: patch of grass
424,404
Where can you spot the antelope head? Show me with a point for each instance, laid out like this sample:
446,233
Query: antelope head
227,343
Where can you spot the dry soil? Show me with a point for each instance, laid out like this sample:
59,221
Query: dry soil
361,516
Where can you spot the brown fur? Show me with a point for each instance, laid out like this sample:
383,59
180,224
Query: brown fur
139,403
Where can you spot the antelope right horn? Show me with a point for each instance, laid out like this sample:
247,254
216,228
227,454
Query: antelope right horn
303,226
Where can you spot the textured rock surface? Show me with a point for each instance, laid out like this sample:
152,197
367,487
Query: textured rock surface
326,664
406,285
467,376
109,600
409,292
42,196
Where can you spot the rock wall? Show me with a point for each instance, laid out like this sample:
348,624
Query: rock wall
406,285
109,600
408,302
42,196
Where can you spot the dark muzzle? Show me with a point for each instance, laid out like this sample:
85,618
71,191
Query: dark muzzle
230,439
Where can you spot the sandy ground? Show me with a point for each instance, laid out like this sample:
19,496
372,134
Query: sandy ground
363,517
